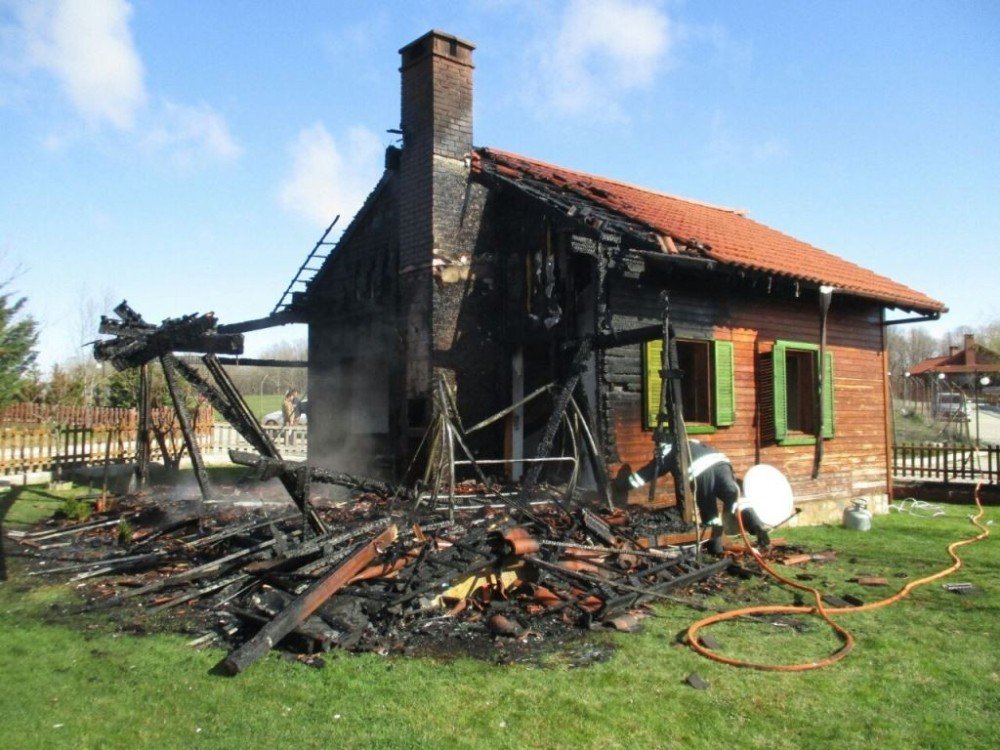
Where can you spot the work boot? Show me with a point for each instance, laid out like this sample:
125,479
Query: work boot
620,486
753,525
716,546
763,539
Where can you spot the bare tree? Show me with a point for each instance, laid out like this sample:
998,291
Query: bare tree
910,346
989,335
93,376
269,380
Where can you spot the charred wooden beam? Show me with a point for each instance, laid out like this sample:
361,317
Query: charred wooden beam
168,363
268,467
222,401
670,417
245,421
576,369
137,342
258,324
142,446
305,604
640,335
250,362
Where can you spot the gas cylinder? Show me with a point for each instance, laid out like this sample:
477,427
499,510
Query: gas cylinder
858,517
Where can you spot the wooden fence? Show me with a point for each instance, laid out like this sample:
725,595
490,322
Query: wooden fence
83,416
29,447
947,463
291,442
78,416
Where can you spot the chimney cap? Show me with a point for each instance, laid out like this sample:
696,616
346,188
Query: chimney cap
436,42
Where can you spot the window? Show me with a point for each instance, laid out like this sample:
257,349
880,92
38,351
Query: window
707,394
794,379
800,391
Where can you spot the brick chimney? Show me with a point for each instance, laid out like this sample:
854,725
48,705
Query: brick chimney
970,349
446,269
436,120
437,138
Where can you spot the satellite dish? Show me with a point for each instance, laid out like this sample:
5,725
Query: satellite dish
768,492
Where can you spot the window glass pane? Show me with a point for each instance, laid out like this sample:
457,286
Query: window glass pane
800,391
695,360
696,385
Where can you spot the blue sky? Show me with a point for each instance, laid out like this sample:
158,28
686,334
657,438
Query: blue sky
187,155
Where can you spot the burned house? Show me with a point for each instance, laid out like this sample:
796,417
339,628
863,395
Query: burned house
503,273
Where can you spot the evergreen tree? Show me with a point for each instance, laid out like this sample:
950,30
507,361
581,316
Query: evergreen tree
18,338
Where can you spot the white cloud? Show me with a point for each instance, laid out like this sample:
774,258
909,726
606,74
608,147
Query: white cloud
87,46
191,134
601,50
327,178
88,49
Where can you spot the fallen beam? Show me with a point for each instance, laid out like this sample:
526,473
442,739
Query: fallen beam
304,605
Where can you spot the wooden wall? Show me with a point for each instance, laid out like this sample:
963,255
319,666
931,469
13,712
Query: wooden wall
855,461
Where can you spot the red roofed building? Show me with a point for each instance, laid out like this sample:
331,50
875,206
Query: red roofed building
489,269
961,363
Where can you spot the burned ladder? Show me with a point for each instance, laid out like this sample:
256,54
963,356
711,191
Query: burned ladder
314,254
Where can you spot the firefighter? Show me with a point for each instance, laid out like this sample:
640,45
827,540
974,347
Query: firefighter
713,479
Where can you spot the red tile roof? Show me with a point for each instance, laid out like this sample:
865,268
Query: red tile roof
974,358
731,237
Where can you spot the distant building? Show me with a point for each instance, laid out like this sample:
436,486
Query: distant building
962,365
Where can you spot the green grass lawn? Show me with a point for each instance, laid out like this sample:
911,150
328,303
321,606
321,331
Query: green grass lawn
260,405
925,674
917,427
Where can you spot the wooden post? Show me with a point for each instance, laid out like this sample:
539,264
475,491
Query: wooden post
672,410
182,416
103,499
142,447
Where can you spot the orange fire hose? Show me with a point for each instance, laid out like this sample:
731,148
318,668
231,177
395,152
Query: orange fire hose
819,609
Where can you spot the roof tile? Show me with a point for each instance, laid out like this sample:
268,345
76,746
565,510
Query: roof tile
730,236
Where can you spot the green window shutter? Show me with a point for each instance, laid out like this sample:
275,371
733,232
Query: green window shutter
725,388
651,382
780,397
828,397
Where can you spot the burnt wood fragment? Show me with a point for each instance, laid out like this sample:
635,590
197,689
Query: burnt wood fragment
304,605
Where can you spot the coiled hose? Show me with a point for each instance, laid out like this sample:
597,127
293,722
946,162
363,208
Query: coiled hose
824,612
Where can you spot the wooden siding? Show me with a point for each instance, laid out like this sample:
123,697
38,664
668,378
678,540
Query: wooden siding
855,458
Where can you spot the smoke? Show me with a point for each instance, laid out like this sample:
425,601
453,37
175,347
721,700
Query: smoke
349,406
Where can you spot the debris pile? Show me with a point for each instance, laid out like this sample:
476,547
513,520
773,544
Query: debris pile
484,579
396,568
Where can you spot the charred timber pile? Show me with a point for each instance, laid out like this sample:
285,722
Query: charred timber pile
385,575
